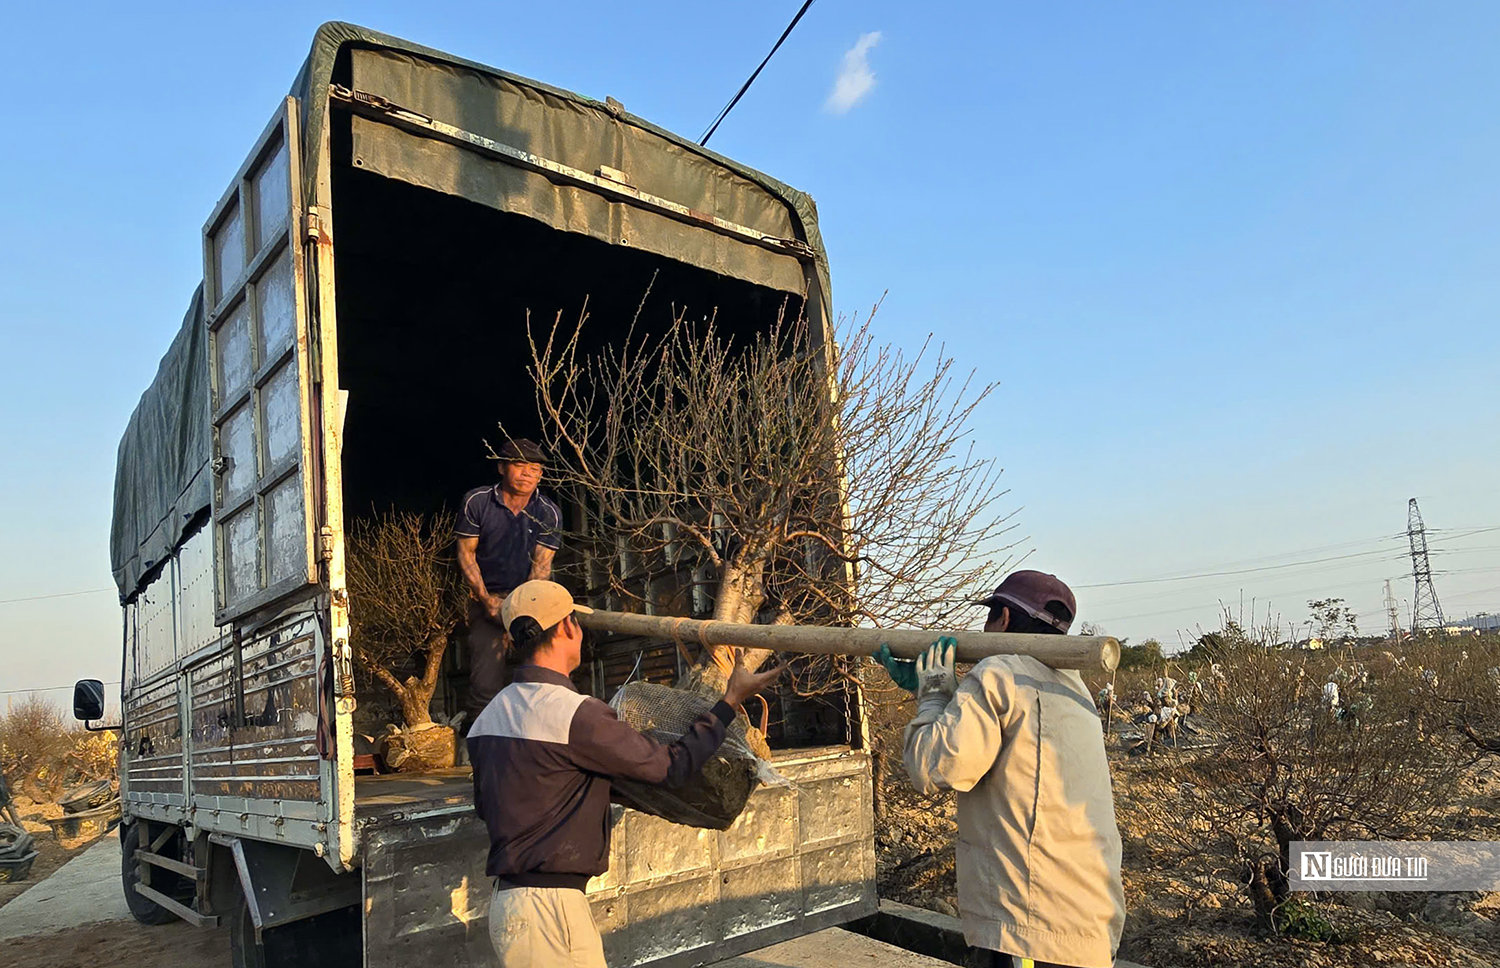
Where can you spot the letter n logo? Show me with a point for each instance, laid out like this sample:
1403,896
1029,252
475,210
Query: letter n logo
1315,865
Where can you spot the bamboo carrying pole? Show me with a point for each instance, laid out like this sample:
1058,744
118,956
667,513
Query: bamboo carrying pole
1090,653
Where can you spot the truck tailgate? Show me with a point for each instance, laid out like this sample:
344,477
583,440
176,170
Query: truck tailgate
797,860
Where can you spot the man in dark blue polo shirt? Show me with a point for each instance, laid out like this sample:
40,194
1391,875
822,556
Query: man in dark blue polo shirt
507,535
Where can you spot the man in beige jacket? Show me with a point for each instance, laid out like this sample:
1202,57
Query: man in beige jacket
1038,850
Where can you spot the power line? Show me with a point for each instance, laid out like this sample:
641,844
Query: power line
1108,617
1440,550
1241,571
1474,594
1228,568
12,692
1260,559
1199,605
1301,576
1465,532
741,92
38,598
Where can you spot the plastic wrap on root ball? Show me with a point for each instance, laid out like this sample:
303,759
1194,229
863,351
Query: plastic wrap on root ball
715,796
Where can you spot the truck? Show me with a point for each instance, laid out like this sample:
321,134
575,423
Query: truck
360,326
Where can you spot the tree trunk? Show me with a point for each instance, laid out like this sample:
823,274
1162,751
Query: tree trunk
1263,876
416,700
877,779
415,694
740,595
1272,871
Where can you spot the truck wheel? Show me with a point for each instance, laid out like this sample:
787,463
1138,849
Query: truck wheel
331,940
243,951
145,910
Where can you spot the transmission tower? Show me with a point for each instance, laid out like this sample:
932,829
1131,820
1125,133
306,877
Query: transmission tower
1392,613
1426,613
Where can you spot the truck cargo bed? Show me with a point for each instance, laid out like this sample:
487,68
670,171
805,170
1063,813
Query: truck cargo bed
401,796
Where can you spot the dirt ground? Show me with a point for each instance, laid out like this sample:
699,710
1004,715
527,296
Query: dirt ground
176,945
1177,921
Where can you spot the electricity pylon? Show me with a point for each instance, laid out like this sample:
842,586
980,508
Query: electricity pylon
1426,613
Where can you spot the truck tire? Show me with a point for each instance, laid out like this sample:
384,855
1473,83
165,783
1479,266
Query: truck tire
143,908
331,940
243,951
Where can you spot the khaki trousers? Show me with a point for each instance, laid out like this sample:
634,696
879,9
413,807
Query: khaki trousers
543,927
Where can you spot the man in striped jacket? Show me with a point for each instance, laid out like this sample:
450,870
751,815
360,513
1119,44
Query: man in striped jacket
543,755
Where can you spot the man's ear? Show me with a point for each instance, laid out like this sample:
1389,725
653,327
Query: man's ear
1005,618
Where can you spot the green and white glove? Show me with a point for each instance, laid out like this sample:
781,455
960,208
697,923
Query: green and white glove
903,672
937,680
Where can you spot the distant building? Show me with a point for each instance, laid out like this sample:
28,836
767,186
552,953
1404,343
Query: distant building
1483,622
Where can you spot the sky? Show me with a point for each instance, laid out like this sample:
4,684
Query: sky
1235,268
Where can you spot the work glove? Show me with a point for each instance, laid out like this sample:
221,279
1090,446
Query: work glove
936,679
903,672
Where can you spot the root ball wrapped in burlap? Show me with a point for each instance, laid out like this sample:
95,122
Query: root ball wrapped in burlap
418,749
714,797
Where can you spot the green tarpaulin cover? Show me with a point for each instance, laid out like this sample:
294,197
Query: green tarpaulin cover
163,480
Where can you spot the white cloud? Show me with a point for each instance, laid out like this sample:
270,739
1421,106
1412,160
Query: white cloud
855,78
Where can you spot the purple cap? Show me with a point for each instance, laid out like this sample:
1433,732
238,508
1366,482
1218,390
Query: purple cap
1032,592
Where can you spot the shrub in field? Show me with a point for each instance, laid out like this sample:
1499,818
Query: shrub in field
1144,655
1294,763
1459,681
94,756
35,741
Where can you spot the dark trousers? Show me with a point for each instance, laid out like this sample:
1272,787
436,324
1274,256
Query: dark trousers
487,647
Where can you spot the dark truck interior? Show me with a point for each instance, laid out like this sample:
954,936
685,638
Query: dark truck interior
434,294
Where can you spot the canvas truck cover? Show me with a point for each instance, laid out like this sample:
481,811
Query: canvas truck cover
513,144
162,478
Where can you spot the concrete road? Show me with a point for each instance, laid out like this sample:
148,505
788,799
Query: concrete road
85,890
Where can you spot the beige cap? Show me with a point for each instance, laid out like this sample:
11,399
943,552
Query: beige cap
546,601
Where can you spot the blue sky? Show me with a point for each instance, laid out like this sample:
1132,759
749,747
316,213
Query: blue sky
1234,266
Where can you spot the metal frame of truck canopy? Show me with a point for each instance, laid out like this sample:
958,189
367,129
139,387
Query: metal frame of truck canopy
164,474
227,538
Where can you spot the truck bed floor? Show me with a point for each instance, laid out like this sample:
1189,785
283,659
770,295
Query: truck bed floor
385,796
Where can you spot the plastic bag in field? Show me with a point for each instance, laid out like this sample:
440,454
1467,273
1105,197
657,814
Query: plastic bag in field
716,795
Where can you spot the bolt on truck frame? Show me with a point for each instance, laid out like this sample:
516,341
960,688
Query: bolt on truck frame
368,277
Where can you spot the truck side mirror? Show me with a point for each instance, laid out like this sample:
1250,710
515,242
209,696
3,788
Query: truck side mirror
88,699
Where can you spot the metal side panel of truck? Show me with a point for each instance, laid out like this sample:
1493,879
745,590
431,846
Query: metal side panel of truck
360,326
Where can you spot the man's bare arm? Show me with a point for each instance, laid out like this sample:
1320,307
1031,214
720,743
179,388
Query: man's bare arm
541,562
468,563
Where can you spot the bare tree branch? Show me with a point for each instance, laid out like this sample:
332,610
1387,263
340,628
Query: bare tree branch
781,476
405,599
